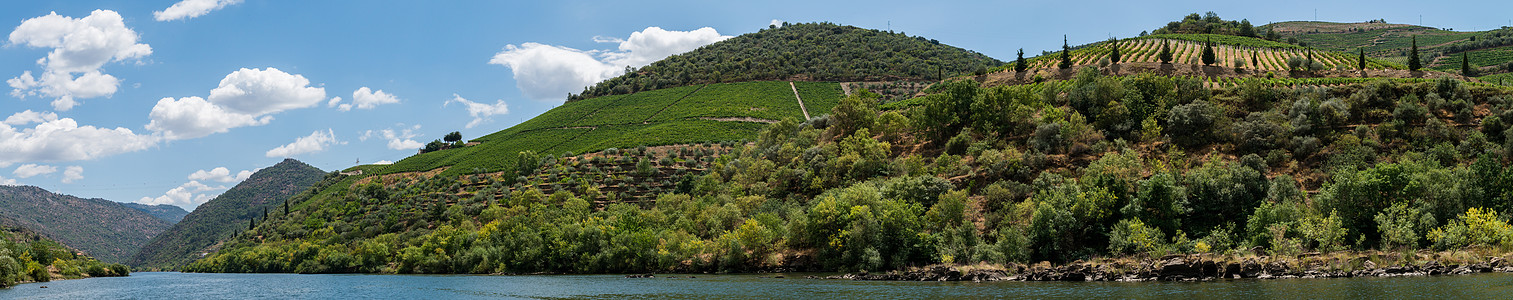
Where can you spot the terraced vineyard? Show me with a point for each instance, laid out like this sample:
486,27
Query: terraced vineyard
1187,48
702,113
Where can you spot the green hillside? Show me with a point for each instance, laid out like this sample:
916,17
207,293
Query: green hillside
104,229
1094,166
167,213
691,114
806,51
1440,49
26,256
216,220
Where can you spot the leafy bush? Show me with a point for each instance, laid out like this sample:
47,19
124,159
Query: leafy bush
1476,227
1130,236
1191,124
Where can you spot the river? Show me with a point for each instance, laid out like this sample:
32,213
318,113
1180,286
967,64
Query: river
159,285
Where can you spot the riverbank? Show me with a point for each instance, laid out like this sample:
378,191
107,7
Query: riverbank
1205,267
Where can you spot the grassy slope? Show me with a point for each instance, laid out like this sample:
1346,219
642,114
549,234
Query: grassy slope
660,117
1392,41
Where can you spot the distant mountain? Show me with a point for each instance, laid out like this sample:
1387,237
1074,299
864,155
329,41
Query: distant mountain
107,230
217,219
170,213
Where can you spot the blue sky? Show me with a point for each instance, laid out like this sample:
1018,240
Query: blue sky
210,89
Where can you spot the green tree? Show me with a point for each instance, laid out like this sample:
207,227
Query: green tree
1361,62
1255,61
1113,55
1066,54
453,137
1465,65
433,146
1413,63
1019,64
1208,52
1166,53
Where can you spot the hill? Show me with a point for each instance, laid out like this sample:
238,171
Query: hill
26,256
216,220
1091,166
167,213
806,51
1440,49
104,229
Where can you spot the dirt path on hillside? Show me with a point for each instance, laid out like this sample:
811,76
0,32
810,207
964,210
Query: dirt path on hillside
846,88
801,100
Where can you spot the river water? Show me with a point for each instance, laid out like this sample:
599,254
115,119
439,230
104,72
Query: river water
158,285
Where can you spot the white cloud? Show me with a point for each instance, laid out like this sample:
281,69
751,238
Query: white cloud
28,117
193,117
244,98
546,72
221,174
80,46
64,140
189,9
73,173
265,91
365,98
383,162
188,195
403,139
316,142
29,170
480,111
8,181
776,23
333,102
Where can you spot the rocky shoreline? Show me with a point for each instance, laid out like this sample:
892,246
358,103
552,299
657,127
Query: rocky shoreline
1187,268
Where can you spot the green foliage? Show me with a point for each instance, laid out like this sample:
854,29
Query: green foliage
1413,62
1191,124
1476,227
1066,55
1208,23
1403,226
78,222
1130,236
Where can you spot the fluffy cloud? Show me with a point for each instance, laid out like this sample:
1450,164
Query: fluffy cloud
333,102
480,111
546,72
403,139
64,140
383,162
244,98
28,117
8,181
80,46
189,9
776,23
188,195
221,174
364,98
265,91
29,170
316,142
73,173
193,117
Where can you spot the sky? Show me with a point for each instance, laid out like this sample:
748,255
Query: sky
173,102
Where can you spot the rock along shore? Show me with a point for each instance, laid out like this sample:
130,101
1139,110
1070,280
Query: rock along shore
1194,267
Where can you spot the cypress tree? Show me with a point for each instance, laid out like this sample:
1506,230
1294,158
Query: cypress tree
1113,56
1066,54
1362,60
1208,52
1413,64
1166,53
1255,63
1465,64
286,207
251,223
1310,60
1019,64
